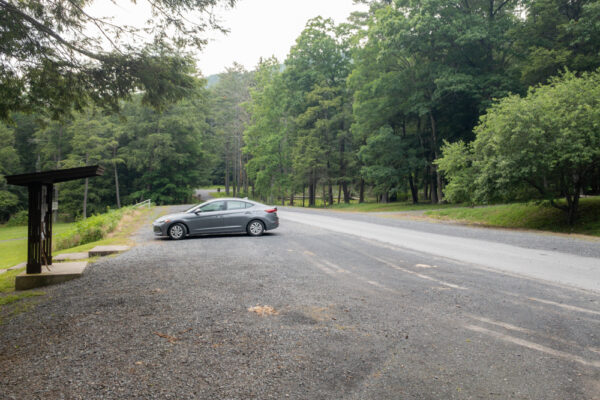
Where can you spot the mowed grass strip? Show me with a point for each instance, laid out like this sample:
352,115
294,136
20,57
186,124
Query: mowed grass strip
13,243
533,215
388,207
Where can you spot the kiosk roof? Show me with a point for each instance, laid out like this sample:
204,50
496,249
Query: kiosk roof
54,176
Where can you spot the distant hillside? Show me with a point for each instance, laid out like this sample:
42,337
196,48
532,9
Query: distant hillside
212,80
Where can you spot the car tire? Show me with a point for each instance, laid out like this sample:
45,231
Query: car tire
177,231
255,228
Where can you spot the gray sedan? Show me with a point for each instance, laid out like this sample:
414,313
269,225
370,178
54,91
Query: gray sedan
219,216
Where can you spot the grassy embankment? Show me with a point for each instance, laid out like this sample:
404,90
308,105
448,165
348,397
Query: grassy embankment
114,227
533,215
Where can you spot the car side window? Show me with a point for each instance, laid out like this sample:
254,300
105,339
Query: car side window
216,206
236,205
248,205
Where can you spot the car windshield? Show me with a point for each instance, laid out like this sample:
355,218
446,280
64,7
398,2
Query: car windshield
195,208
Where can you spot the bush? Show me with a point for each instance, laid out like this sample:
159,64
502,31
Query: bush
18,219
90,230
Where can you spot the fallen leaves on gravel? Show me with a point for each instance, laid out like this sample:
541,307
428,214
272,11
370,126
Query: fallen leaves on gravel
263,310
171,339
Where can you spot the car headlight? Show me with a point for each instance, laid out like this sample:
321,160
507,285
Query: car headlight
162,220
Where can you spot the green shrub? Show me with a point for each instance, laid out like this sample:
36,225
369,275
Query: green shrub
18,219
90,230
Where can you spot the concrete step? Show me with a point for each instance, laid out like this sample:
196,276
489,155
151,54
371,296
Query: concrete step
70,257
100,251
51,275
18,266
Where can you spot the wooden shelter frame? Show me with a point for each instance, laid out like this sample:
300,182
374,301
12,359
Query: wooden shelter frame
41,188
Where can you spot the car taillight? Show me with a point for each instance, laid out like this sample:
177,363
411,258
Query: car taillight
271,210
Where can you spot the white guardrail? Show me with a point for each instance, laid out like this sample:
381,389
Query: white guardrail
145,203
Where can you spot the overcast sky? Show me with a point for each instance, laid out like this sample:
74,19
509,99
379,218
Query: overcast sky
258,28
262,28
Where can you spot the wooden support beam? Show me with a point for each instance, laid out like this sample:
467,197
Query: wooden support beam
34,242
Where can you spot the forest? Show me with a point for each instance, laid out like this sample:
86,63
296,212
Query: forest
463,101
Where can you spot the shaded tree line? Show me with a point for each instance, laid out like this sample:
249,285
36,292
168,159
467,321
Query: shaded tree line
147,154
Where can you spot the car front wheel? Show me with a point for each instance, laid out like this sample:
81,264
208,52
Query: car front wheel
177,231
255,228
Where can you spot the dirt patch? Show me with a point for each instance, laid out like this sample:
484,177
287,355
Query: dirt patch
126,220
319,313
263,310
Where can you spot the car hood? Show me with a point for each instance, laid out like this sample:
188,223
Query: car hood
173,217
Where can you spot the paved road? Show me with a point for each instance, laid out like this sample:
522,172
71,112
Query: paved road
541,262
355,318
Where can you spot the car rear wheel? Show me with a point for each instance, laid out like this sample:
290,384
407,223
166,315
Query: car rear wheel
255,228
177,231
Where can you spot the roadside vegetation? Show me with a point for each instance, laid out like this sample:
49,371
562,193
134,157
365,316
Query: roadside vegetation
388,207
538,215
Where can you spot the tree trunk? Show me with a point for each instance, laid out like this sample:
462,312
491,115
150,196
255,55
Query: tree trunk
433,190
384,197
361,192
413,190
116,178
58,160
234,184
339,193
346,192
303,194
246,179
330,193
239,177
438,178
226,176
426,192
292,197
573,208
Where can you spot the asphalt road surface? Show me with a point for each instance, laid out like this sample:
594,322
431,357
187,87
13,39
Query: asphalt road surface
342,315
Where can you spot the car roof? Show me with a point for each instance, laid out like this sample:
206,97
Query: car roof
232,199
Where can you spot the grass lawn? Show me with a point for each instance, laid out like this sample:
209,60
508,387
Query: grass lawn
538,216
13,243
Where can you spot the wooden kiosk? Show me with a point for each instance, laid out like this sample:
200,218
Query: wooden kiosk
41,185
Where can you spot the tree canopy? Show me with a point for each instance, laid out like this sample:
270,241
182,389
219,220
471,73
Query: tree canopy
548,140
56,56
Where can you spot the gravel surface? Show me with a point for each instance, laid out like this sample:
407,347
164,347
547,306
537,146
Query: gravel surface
352,319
